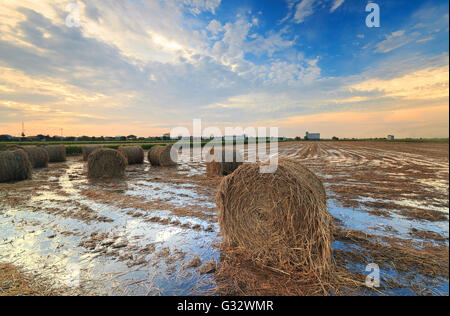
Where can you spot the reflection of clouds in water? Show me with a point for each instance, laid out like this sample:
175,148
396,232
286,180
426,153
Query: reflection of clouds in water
178,194
167,234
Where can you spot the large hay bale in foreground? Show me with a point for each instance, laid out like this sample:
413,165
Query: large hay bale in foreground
56,153
160,156
87,150
279,219
223,167
134,154
14,166
38,156
106,163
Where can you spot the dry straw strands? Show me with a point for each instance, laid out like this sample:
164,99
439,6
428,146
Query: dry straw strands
14,166
106,163
160,156
56,153
87,150
281,219
214,167
134,154
38,156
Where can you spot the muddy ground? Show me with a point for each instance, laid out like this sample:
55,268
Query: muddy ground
156,232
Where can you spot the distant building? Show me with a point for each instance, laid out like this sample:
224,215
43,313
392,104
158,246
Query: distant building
312,136
5,138
166,136
391,137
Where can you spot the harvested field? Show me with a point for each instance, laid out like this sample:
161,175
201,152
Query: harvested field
156,232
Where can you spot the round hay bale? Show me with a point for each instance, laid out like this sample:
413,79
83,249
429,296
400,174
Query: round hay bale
160,156
223,168
56,153
279,219
87,150
134,154
106,163
14,166
38,156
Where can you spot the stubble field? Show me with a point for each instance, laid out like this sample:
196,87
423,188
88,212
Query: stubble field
156,232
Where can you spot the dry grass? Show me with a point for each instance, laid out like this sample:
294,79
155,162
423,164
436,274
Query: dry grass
281,220
219,166
87,150
37,156
402,255
160,156
15,283
427,215
14,166
56,153
106,163
134,154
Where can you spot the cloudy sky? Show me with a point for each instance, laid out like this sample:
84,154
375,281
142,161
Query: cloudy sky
146,66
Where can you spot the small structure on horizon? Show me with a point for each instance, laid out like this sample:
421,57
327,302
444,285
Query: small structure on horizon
312,136
391,137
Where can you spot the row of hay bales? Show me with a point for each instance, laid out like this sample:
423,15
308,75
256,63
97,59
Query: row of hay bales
17,163
111,163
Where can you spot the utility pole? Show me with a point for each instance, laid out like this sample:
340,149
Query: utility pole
23,129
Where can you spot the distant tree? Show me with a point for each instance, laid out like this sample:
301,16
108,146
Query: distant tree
335,138
298,138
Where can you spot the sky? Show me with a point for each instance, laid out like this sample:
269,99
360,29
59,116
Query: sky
145,67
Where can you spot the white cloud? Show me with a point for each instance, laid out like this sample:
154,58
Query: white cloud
395,40
197,6
425,39
214,27
336,4
303,10
157,63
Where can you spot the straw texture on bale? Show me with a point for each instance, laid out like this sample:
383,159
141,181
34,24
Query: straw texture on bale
106,163
223,168
87,150
280,219
134,154
38,156
56,153
14,166
160,156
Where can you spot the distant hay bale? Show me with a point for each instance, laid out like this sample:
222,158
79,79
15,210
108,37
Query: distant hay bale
56,153
160,156
223,168
87,150
38,156
134,154
106,163
14,166
279,219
